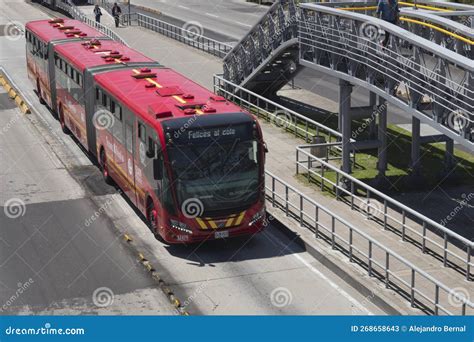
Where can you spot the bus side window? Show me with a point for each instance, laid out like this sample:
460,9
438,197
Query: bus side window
141,132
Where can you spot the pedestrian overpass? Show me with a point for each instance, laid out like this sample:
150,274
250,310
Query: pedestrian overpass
427,68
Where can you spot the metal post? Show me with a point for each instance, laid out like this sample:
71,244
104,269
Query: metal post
415,146
382,135
345,90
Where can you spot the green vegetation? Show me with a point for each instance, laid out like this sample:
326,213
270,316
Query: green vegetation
398,172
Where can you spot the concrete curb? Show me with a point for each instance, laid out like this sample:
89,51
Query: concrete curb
13,92
174,300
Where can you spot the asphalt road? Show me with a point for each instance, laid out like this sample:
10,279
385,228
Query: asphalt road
68,256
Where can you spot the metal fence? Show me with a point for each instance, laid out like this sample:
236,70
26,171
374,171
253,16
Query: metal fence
422,290
68,7
453,249
191,38
287,119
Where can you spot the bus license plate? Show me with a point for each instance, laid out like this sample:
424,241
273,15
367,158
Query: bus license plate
221,235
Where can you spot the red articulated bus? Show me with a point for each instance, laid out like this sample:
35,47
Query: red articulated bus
189,160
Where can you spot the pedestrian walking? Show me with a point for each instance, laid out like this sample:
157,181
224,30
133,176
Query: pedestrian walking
388,11
97,13
116,13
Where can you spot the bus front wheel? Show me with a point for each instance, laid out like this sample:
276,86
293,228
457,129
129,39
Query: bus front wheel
152,218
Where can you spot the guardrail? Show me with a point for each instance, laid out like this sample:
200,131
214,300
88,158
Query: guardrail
287,119
333,41
68,7
453,249
181,34
422,290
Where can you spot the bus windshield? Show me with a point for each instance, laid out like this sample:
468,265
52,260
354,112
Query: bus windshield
222,175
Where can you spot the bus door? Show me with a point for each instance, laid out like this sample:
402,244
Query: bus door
130,158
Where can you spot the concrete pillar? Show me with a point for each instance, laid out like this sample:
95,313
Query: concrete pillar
415,145
345,90
373,118
382,135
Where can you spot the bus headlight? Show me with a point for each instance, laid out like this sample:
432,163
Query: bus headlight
180,226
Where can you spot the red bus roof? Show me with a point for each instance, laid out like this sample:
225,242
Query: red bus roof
47,31
87,56
164,97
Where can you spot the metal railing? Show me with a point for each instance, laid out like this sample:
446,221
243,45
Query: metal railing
452,249
277,26
287,119
68,7
333,41
189,37
183,35
422,290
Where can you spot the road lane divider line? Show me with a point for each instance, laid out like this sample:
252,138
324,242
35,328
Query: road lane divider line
173,299
14,92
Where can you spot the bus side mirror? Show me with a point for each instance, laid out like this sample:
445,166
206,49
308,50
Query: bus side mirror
150,152
265,147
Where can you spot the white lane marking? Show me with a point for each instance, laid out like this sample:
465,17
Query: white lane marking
184,7
212,15
326,279
334,286
244,24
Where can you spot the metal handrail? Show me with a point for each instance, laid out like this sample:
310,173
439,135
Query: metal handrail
392,60
312,218
75,13
282,116
188,37
325,32
411,38
347,184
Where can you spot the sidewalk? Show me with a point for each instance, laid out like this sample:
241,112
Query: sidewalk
200,67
